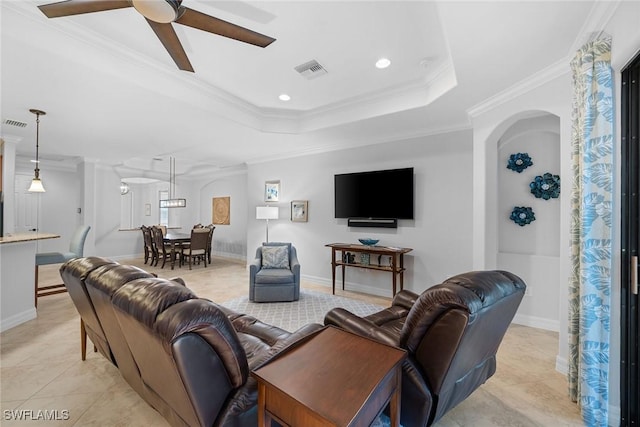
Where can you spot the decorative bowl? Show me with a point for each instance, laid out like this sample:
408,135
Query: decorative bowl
368,242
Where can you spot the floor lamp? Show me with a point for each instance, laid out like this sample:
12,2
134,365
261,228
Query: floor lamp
267,212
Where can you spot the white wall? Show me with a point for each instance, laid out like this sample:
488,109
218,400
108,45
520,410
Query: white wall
440,234
228,240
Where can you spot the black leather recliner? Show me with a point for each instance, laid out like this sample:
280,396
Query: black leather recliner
451,333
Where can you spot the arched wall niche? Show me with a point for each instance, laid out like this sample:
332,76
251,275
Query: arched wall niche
491,125
531,251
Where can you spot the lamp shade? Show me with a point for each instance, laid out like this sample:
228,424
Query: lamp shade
266,212
36,186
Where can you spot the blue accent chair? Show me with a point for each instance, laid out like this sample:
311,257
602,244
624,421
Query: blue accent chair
76,250
274,284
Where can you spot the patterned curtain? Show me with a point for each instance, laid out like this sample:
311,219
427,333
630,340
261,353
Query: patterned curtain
591,234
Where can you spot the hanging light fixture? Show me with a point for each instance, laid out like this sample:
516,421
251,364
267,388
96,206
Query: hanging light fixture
36,183
172,202
124,188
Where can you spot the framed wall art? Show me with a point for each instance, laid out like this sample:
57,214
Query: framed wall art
221,210
299,210
271,191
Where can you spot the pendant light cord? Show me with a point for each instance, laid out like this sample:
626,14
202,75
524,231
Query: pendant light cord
37,171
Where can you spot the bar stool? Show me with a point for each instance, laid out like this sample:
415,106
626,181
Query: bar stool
76,249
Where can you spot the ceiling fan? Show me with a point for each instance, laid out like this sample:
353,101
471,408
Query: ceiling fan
160,14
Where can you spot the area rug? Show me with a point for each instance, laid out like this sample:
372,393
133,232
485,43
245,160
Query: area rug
310,308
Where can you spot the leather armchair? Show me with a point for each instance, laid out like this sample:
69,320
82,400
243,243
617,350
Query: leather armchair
274,284
451,332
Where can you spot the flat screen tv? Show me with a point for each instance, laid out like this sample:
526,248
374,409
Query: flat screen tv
375,194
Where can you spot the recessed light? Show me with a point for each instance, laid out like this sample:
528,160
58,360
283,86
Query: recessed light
284,97
383,63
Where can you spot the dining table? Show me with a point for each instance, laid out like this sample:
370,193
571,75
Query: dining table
176,240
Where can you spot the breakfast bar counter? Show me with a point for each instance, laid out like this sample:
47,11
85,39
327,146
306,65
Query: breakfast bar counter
26,237
17,276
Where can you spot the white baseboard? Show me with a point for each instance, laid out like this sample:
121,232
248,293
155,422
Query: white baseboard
355,287
562,365
18,319
119,258
218,254
238,257
537,322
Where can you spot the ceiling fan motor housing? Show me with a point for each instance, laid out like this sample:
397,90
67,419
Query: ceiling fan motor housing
163,12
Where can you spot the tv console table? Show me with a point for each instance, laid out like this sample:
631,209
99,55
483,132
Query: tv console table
395,266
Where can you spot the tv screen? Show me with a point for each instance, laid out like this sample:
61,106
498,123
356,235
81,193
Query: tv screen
375,194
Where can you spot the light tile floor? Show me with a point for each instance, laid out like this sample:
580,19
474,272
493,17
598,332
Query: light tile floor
40,367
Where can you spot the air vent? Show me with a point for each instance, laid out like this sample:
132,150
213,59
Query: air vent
311,70
14,123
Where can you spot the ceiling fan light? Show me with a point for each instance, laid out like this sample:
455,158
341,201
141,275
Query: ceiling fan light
160,11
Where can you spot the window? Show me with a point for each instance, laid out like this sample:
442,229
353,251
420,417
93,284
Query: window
164,212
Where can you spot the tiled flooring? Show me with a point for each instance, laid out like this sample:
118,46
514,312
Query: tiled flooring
40,367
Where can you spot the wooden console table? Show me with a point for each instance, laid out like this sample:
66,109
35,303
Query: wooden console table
395,266
331,378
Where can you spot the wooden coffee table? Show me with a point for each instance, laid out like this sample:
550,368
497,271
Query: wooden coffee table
331,378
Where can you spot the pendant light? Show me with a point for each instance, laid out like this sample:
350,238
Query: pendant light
124,188
172,202
36,183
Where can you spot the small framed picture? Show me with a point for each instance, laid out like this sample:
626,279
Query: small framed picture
271,191
147,209
299,210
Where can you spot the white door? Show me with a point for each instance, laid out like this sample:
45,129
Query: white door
26,205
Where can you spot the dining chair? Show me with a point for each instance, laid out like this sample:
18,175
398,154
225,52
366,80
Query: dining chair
161,250
197,248
148,244
211,228
76,250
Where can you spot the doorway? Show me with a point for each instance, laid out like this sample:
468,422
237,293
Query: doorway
26,205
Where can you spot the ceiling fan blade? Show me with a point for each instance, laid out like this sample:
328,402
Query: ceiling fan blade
76,7
204,22
169,39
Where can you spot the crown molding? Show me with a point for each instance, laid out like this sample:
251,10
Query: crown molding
11,139
600,14
347,145
530,83
64,165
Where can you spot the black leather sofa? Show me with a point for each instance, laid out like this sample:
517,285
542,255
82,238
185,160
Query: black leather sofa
188,357
451,333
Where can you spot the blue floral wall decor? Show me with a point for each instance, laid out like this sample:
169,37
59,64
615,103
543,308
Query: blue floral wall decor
546,186
519,162
522,215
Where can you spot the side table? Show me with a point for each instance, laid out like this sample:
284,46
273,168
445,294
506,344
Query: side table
396,266
331,378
